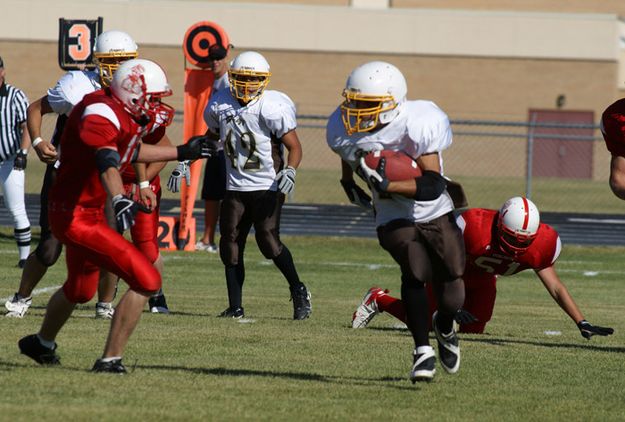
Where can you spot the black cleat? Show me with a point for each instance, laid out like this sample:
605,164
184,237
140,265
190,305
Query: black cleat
302,307
32,347
158,304
448,348
113,367
424,364
232,313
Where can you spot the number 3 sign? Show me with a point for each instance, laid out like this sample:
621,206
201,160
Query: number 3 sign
76,41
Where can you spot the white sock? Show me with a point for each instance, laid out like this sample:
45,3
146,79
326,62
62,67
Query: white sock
110,359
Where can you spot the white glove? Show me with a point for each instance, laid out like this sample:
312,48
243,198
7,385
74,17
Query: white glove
181,170
286,180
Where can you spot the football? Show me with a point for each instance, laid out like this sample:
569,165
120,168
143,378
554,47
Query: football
399,165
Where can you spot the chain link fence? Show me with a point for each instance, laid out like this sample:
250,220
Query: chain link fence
561,167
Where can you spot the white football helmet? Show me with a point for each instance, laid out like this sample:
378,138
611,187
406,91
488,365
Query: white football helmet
249,75
111,49
517,224
139,85
373,94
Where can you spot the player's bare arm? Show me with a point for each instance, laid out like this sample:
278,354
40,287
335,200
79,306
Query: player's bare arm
293,145
44,149
154,168
617,176
143,190
559,293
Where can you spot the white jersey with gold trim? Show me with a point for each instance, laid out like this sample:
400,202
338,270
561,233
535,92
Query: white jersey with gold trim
71,88
251,137
419,128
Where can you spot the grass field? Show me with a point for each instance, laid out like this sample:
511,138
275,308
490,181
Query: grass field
190,365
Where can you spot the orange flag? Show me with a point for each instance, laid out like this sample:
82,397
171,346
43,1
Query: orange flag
198,85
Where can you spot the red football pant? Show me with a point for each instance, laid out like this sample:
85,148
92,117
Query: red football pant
144,232
90,244
480,295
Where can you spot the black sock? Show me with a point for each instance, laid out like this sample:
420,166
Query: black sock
285,264
417,312
234,282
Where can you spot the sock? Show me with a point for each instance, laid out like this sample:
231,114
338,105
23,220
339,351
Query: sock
46,343
392,305
417,312
111,359
22,237
159,293
285,264
235,286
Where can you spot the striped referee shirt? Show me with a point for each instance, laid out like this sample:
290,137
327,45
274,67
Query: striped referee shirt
13,106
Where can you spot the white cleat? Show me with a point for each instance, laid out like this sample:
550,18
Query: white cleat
18,306
104,310
368,308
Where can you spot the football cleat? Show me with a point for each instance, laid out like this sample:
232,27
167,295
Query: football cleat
448,348
104,310
302,308
208,247
232,313
18,306
368,308
32,347
424,364
158,304
113,366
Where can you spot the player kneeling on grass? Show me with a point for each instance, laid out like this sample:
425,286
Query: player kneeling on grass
100,139
502,242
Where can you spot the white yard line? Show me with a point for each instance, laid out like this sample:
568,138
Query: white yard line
36,292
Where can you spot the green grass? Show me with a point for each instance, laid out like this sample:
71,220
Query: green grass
191,365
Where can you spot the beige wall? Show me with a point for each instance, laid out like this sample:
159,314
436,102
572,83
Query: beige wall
487,65
477,88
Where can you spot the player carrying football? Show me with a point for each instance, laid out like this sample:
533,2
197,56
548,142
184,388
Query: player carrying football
414,217
498,243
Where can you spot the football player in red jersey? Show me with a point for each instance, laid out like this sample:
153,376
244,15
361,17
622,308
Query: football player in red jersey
502,242
101,138
613,130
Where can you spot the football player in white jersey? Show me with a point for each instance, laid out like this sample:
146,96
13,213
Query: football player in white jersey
111,49
255,125
414,217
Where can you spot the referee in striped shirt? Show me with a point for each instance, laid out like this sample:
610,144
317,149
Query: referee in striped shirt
14,144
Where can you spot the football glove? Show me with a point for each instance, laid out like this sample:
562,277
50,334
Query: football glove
197,147
125,210
20,160
356,195
376,178
286,180
588,330
182,170
464,317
